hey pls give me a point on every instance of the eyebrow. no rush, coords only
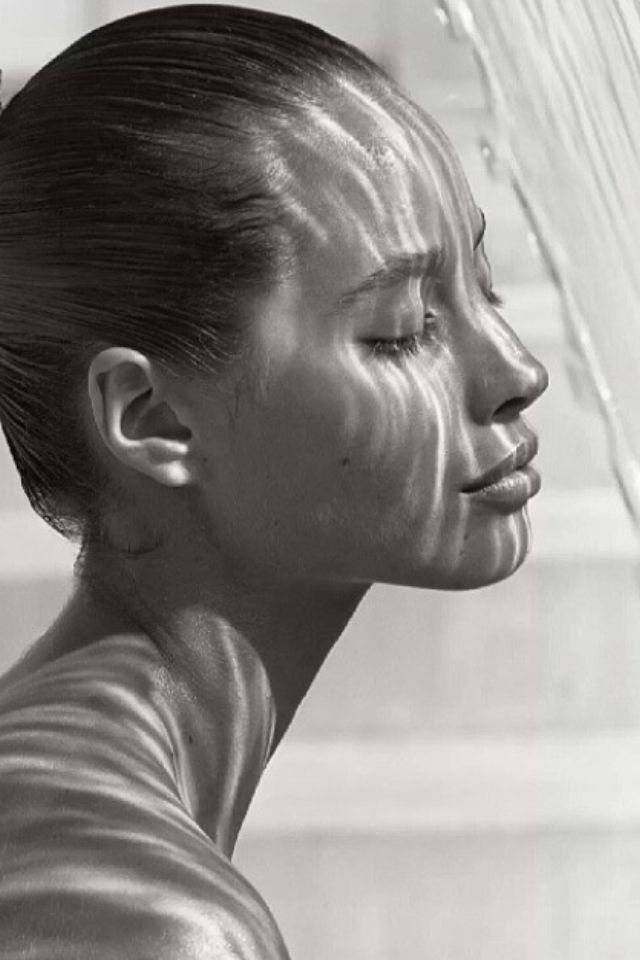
(395, 269)
(399, 267)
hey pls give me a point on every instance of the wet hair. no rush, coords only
(142, 204)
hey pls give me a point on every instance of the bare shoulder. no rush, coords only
(124, 891)
(99, 858)
(107, 904)
(225, 920)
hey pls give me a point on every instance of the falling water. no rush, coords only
(563, 85)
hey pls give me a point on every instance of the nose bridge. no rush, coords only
(504, 377)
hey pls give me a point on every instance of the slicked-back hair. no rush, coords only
(141, 205)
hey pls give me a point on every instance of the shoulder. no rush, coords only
(126, 915)
(99, 858)
(124, 891)
(219, 921)
(223, 918)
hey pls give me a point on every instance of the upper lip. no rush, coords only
(515, 460)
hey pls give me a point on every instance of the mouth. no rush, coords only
(512, 481)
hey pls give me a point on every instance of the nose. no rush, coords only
(505, 378)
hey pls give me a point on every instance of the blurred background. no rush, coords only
(463, 780)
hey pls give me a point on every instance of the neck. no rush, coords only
(236, 660)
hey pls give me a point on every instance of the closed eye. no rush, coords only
(397, 348)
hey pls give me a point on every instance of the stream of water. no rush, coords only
(563, 87)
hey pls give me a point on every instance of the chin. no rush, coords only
(488, 563)
(486, 557)
(481, 577)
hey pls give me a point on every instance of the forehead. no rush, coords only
(377, 178)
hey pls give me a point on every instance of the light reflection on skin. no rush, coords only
(421, 426)
(135, 733)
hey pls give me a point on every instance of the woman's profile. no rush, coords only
(251, 360)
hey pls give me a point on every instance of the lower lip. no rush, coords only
(512, 492)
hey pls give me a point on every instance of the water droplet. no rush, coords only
(534, 242)
(488, 154)
(442, 14)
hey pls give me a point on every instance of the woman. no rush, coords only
(251, 360)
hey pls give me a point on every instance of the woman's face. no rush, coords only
(381, 383)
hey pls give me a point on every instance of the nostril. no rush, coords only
(504, 383)
(532, 384)
(511, 409)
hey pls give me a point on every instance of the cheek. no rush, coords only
(410, 426)
(410, 463)
(343, 469)
(386, 438)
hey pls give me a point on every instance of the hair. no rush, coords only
(141, 203)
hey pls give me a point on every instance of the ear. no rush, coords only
(135, 418)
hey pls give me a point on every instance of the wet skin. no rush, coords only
(338, 453)
(348, 454)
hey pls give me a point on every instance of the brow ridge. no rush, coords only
(393, 270)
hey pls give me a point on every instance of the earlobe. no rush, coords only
(135, 419)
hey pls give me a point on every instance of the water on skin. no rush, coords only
(94, 816)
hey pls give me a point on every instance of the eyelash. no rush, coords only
(406, 346)
(411, 345)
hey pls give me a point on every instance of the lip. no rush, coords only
(512, 480)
